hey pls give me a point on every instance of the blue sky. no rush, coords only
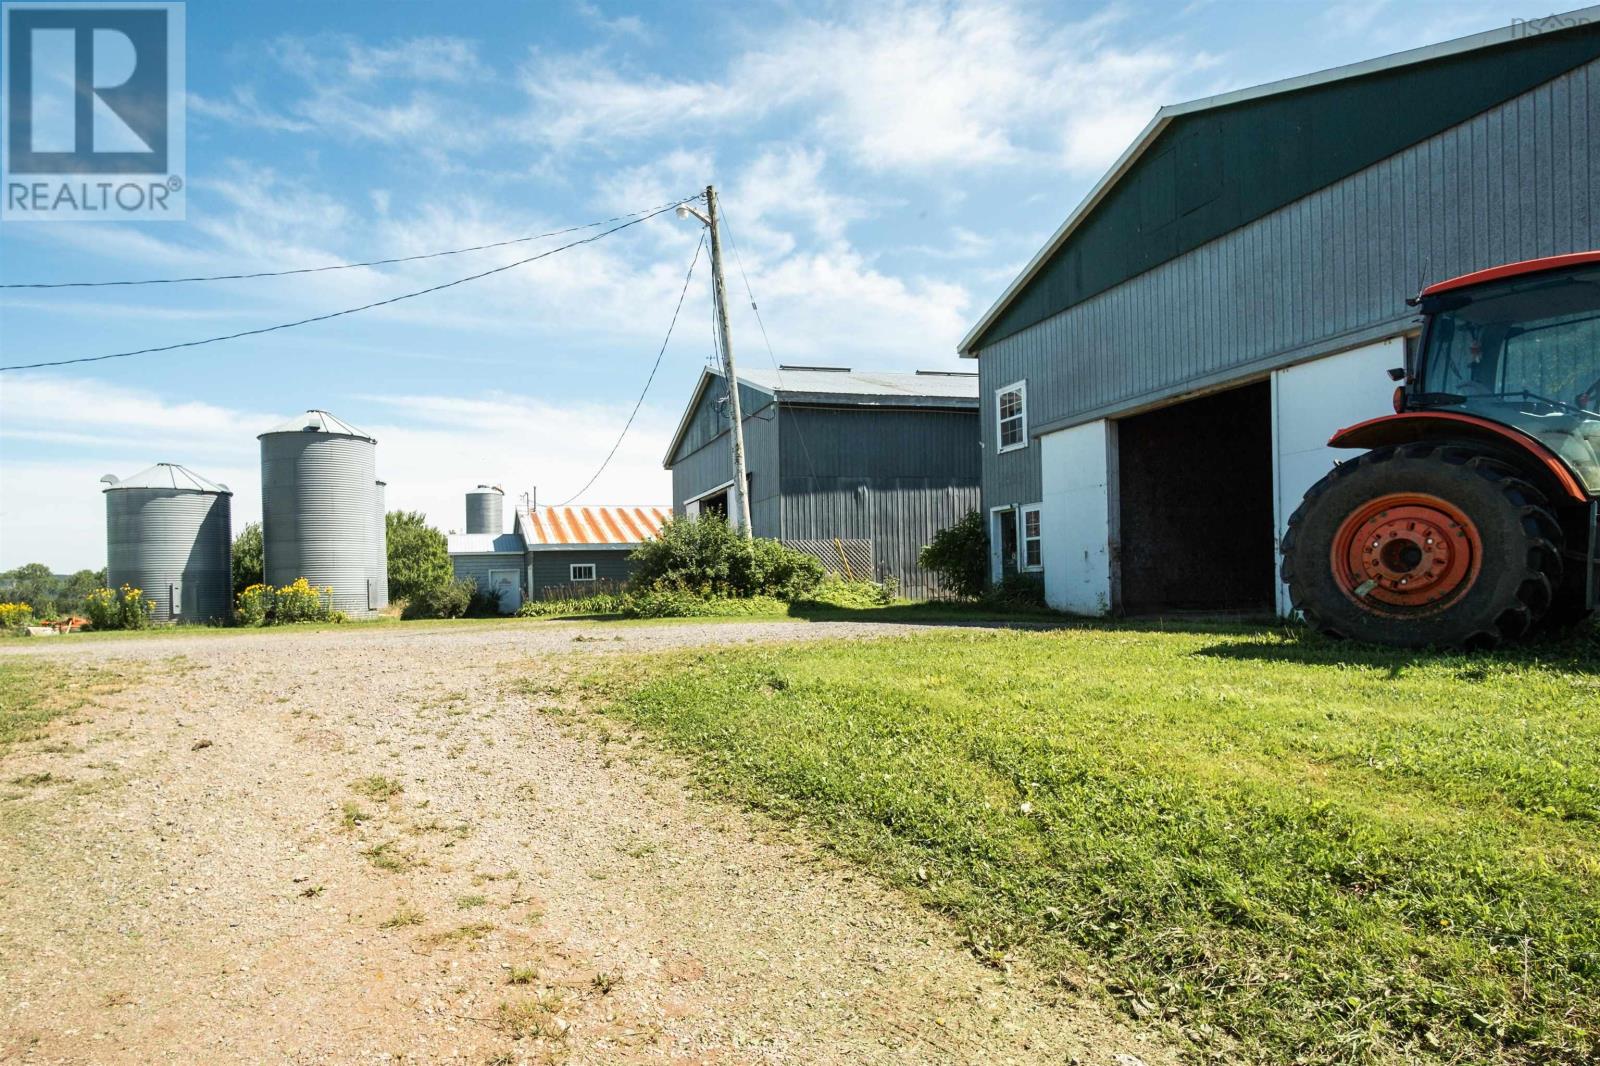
(886, 169)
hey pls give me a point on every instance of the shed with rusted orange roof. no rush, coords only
(557, 551)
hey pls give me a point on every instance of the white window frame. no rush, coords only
(572, 573)
(1021, 389)
(1023, 538)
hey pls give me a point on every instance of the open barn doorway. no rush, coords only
(1195, 505)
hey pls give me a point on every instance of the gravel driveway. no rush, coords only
(198, 880)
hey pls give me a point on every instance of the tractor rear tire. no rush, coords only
(1571, 608)
(1423, 545)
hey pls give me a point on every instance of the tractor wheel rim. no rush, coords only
(1406, 553)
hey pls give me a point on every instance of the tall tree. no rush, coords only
(33, 584)
(73, 593)
(248, 561)
(419, 557)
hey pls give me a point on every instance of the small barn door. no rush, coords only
(507, 588)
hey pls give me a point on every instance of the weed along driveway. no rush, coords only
(413, 842)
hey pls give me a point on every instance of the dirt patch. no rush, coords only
(387, 848)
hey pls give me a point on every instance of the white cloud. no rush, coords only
(619, 26)
(241, 108)
(789, 184)
(410, 93)
(342, 58)
(835, 307)
(905, 87)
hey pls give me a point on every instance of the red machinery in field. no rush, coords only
(1471, 519)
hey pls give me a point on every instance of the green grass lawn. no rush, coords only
(33, 691)
(1287, 849)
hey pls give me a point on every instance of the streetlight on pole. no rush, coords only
(741, 484)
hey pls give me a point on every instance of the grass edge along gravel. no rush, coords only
(34, 692)
(1287, 850)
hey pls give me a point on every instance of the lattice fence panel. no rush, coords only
(847, 558)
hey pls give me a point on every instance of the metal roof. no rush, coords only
(1164, 117)
(842, 386)
(596, 526)
(863, 386)
(1511, 270)
(484, 543)
(314, 421)
(166, 476)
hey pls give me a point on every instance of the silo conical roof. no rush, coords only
(318, 422)
(168, 476)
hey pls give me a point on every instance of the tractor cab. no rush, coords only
(1524, 351)
(1473, 515)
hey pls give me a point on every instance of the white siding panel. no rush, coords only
(1310, 402)
(1076, 518)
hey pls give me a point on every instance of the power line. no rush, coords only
(777, 369)
(346, 266)
(338, 314)
(648, 381)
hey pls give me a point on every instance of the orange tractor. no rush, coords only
(1471, 518)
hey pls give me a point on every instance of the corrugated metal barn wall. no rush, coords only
(477, 567)
(554, 568)
(710, 418)
(1519, 181)
(700, 469)
(926, 467)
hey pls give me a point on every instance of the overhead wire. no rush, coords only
(347, 311)
(687, 277)
(348, 266)
(777, 368)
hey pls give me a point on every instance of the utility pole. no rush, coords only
(741, 485)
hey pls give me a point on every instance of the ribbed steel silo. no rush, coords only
(318, 489)
(380, 549)
(486, 510)
(169, 532)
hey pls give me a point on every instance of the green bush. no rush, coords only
(15, 616)
(301, 601)
(124, 608)
(483, 603)
(835, 591)
(449, 598)
(253, 606)
(600, 603)
(959, 556)
(776, 570)
(705, 556)
(1018, 591)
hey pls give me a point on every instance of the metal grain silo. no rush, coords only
(169, 532)
(380, 549)
(486, 510)
(318, 492)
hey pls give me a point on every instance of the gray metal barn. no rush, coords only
(870, 463)
(1159, 383)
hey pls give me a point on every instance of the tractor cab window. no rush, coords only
(1525, 352)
